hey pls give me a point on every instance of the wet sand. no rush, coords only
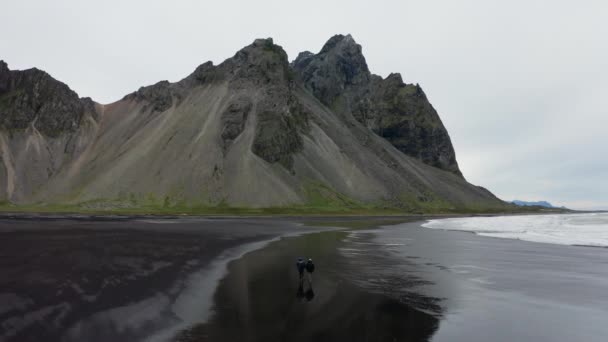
(259, 300)
(115, 279)
(409, 283)
(489, 289)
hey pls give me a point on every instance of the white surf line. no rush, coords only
(194, 304)
(561, 229)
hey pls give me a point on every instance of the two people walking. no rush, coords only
(309, 268)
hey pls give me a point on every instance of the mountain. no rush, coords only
(339, 78)
(253, 131)
(533, 204)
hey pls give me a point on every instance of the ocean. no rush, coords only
(577, 229)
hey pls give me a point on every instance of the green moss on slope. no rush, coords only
(122, 208)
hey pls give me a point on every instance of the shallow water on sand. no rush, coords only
(259, 300)
(490, 289)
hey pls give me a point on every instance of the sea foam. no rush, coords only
(571, 229)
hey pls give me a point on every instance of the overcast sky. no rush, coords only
(522, 86)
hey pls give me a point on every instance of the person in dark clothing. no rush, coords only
(310, 267)
(301, 266)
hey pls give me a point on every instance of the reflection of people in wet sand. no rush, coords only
(309, 267)
(310, 294)
(300, 294)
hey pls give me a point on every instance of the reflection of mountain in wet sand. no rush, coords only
(257, 301)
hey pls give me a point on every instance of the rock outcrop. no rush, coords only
(253, 131)
(339, 77)
(33, 97)
(44, 125)
(264, 66)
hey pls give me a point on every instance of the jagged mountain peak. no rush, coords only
(346, 56)
(341, 42)
(33, 98)
(303, 58)
(339, 77)
(3, 66)
(394, 77)
(260, 49)
(260, 61)
(338, 65)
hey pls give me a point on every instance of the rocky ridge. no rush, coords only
(253, 131)
(33, 97)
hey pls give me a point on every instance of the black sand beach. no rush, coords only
(132, 279)
(111, 279)
(259, 301)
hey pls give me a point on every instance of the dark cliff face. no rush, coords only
(339, 69)
(338, 76)
(33, 97)
(261, 70)
(280, 118)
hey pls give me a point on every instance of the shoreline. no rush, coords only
(486, 281)
(204, 279)
(108, 216)
(554, 229)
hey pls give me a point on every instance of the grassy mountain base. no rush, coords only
(321, 200)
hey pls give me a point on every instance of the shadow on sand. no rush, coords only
(261, 300)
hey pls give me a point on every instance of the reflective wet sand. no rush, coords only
(259, 300)
(115, 279)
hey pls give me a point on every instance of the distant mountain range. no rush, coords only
(534, 204)
(253, 131)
